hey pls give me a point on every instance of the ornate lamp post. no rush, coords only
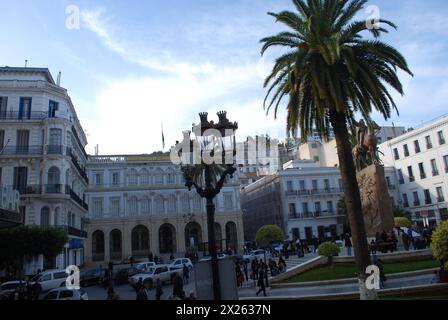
(209, 161)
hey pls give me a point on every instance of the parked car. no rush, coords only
(178, 263)
(66, 294)
(50, 279)
(8, 288)
(143, 266)
(164, 272)
(92, 277)
(209, 258)
(121, 276)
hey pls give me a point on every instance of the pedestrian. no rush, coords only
(411, 239)
(238, 274)
(150, 257)
(186, 273)
(110, 266)
(178, 286)
(315, 243)
(37, 289)
(261, 284)
(436, 277)
(348, 244)
(245, 270)
(131, 260)
(171, 256)
(156, 259)
(141, 294)
(159, 290)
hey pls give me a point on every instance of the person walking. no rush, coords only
(261, 284)
(141, 294)
(159, 290)
(37, 289)
(186, 274)
(156, 259)
(245, 270)
(315, 243)
(150, 257)
(348, 244)
(178, 286)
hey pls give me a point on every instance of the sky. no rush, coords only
(131, 66)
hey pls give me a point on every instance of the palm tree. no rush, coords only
(331, 73)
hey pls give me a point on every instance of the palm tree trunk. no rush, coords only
(353, 199)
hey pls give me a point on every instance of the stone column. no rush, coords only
(180, 236)
(154, 235)
(106, 245)
(126, 241)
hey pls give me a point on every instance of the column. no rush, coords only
(154, 235)
(126, 241)
(180, 236)
(106, 246)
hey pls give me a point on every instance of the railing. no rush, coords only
(435, 173)
(401, 181)
(291, 193)
(326, 190)
(21, 150)
(72, 231)
(17, 115)
(406, 204)
(75, 134)
(440, 199)
(423, 176)
(30, 189)
(77, 199)
(75, 162)
(428, 201)
(55, 188)
(429, 146)
(416, 203)
(442, 141)
(54, 149)
(411, 179)
(11, 216)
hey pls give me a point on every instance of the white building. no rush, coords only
(42, 156)
(139, 204)
(420, 158)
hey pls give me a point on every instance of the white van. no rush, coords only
(51, 279)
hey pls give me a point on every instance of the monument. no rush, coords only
(375, 199)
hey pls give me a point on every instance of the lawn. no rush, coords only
(348, 270)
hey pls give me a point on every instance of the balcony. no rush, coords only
(29, 189)
(16, 115)
(326, 191)
(422, 176)
(391, 187)
(401, 181)
(54, 149)
(411, 179)
(71, 231)
(435, 173)
(406, 204)
(428, 201)
(22, 150)
(304, 192)
(291, 193)
(78, 167)
(429, 146)
(416, 203)
(77, 199)
(442, 141)
(440, 199)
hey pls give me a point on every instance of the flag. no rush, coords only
(163, 139)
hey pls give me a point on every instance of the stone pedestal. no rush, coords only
(376, 206)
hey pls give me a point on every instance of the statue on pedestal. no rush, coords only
(365, 151)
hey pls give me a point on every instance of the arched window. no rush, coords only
(133, 206)
(144, 177)
(53, 180)
(45, 217)
(115, 245)
(158, 176)
(98, 246)
(146, 205)
(132, 177)
(140, 241)
(167, 239)
(159, 204)
(231, 236)
(172, 204)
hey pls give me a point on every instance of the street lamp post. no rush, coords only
(208, 172)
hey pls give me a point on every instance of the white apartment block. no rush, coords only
(42, 156)
(139, 204)
(420, 159)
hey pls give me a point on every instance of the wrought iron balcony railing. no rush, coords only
(21, 150)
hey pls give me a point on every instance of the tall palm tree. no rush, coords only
(331, 72)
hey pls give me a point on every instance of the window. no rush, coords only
(172, 204)
(25, 108)
(144, 177)
(3, 107)
(60, 275)
(341, 185)
(115, 207)
(52, 108)
(302, 185)
(428, 142)
(171, 178)
(160, 205)
(228, 201)
(427, 196)
(2, 139)
(315, 185)
(115, 178)
(440, 196)
(146, 206)
(406, 150)
(396, 154)
(65, 294)
(45, 217)
(20, 179)
(133, 206)
(400, 177)
(316, 158)
(441, 137)
(416, 198)
(317, 207)
(405, 200)
(55, 144)
(330, 207)
(289, 186)
(305, 207)
(197, 203)
(421, 168)
(416, 146)
(435, 171)
(23, 138)
(445, 162)
(292, 209)
(132, 178)
(98, 178)
(327, 184)
(411, 174)
(158, 177)
(97, 207)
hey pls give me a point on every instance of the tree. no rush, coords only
(331, 73)
(403, 222)
(18, 242)
(329, 250)
(342, 210)
(439, 243)
(399, 212)
(269, 234)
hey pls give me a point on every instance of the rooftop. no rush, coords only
(45, 71)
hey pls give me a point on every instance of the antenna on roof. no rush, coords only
(58, 81)
(96, 150)
(26, 63)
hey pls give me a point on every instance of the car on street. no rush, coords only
(164, 272)
(50, 279)
(209, 258)
(178, 263)
(143, 266)
(66, 294)
(8, 288)
(92, 277)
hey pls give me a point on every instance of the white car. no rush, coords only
(259, 254)
(162, 271)
(50, 279)
(66, 294)
(178, 263)
(143, 266)
(7, 288)
(209, 258)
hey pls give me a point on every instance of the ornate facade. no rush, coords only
(139, 204)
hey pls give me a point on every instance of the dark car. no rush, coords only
(92, 277)
(120, 276)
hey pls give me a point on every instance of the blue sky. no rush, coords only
(135, 64)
